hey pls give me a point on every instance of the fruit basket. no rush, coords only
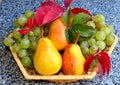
(30, 74)
(76, 25)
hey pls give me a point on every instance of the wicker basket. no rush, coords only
(30, 74)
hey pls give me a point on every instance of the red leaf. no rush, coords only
(24, 31)
(48, 12)
(50, 3)
(80, 10)
(67, 3)
(88, 62)
(101, 66)
(40, 13)
(106, 59)
(31, 23)
(104, 63)
(53, 14)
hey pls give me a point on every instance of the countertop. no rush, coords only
(11, 9)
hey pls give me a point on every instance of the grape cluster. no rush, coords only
(24, 45)
(103, 37)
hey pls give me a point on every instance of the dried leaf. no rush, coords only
(67, 3)
(88, 62)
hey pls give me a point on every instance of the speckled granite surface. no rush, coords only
(10, 9)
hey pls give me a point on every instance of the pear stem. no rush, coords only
(41, 31)
(76, 40)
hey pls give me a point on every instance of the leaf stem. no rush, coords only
(76, 40)
(41, 31)
(69, 17)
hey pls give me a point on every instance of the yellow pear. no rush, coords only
(73, 60)
(47, 59)
(57, 34)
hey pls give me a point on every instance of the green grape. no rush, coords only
(106, 30)
(100, 24)
(22, 53)
(101, 45)
(29, 14)
(25, 36)
(16, 23)
(100, 35)
(91, 23)
(84, 44)
(8, 41)
(26, 61)
(16, 29)
(25, 43)
(16, 34)
(86, 51)
(109, 39)
(18, 40)
(37, 31)
(93, 49)
(99, 17)
(31, 34)
(16, 47)
(91, 41)
(22, 20)
(33, 45)
(111, 28)
(32, 38)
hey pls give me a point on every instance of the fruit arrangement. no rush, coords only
(51, 40)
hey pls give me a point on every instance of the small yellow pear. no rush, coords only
(47, 59)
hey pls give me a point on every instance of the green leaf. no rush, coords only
(85, 30)
(65, 17)
(67, 34)
(80, 18)
(83, 39)
(73, 35)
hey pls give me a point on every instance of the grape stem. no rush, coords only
(76, 40)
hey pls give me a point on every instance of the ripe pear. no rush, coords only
(73, 60)
(57, 34)
(47, 60)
